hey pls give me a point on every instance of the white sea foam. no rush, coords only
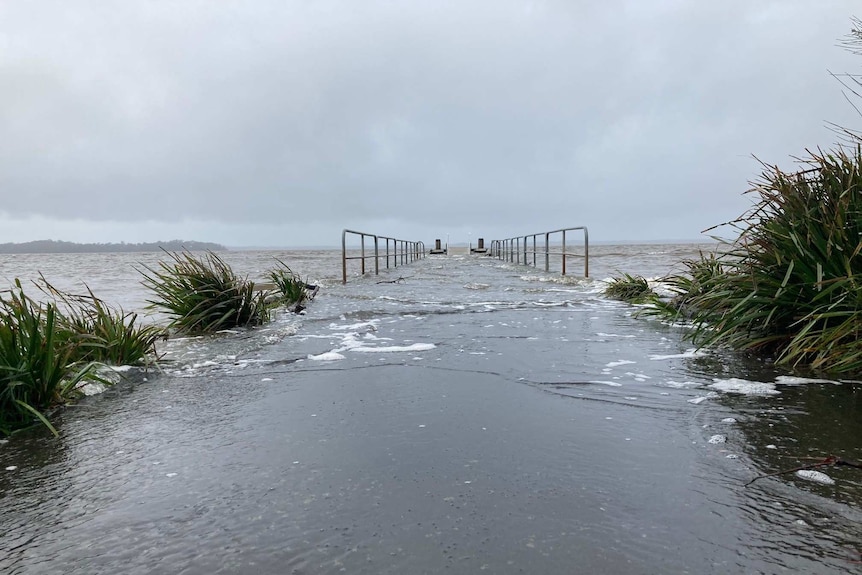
(611, 383)
(816, 476)
(327, 356)
(92, 388)
(374, 337)
(393, 348)
(791, 380)
(370, 325)
(687, 353)
(744, 387)
(702, 398)
(120, 368)
(716, 439)
(679, 384)
(619, 363)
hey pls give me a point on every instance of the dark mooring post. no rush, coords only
(480, 248)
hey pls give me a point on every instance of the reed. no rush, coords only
(96, 331)
(291, 289)
(36, 370)
(789, 285)
(702, 276)
(204, 295)
(632, 289)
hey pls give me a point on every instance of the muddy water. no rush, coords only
(473, 416)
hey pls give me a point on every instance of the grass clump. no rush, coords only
(790, 285)
(632, 289)
(98, 332)
(204, 295)
(36, 367)
(291, 289)
(701, 277)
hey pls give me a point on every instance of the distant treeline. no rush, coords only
(60, 247)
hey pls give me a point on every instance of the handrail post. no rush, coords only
(564, 252)
(376, 257)
(534, 250)
(344, 256)
(362, 264)
(586, 253)
(548, 252)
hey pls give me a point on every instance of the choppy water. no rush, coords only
(476, 415)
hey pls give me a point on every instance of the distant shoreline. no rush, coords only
(61, 247)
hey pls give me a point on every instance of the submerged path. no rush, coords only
(447, 423)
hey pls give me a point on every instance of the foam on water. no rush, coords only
(744, 386)
(394, 348)
(326, 356)
(791, 380)
(816, 476)
(702, 398)
(686, 354)
(679, 384)
(619, 363)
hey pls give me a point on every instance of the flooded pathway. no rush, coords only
(469, 418)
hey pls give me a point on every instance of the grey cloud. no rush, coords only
(636, 117)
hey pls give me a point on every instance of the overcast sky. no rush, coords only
(278, 123)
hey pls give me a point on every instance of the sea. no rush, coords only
(459, 413)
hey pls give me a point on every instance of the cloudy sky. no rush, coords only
(278, 123)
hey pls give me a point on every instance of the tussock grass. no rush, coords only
(204, 295)
(702, 276)
(96, 331)
(633, 289)
(290, 287)
(48, 349)
(789, 285)
(36, 370)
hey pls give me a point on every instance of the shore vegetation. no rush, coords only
(203, 294)
(790, 285)
(289, 286)
(632, 289)
(50, 348)
(37, 370)
(96, 331)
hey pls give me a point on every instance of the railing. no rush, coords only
(512, 249)
(410, 251)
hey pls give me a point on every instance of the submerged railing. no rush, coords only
(512, 249)
(409, 252)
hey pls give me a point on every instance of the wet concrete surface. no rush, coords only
(523, 438)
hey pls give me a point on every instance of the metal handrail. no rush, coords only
(511, 249)
(410, 252)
